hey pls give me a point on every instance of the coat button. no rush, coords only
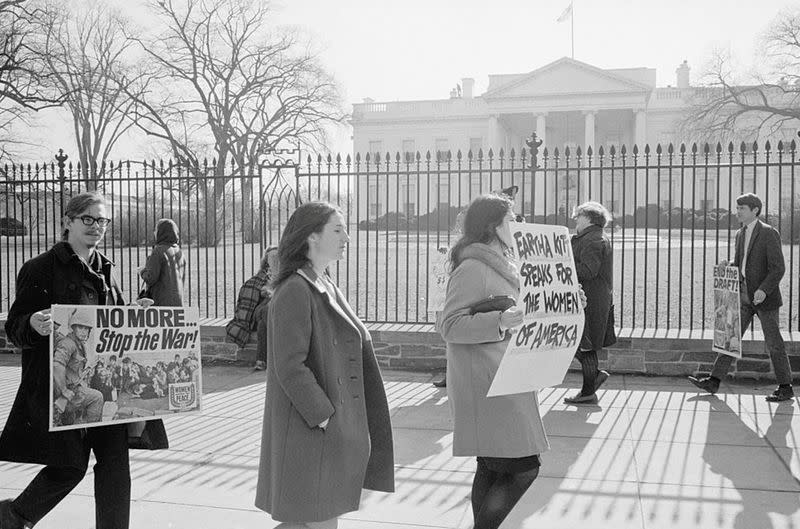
(341, 400)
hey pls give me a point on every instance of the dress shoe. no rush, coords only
(9, 519)
(580, 398)
(781, 394)
(602, 376)
(441, 383)
(708, 384)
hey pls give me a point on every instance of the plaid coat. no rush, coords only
(244, 321)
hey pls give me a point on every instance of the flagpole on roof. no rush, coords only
(572, 27)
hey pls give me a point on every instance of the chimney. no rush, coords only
(467, 84)
(682, 74)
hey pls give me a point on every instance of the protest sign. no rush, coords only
(118, 364)
(542, 349)
(440, 272)
(727, 314)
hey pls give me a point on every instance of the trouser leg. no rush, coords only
(48, 488)
(112, 476)
(774, 345)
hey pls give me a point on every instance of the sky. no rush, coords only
(420, 49)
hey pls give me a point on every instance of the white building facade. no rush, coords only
(567, 103)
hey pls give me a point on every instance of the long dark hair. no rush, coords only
(308, 218)
(484, 214)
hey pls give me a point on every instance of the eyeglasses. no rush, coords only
(88, 220)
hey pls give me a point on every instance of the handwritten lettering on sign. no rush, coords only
(541, 350)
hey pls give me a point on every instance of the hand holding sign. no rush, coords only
(511, 318)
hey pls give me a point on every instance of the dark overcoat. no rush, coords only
(320, 365)
(594, 265)
(165, 269)
(57, 276)
(765, 263)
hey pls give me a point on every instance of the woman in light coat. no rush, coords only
(326, 433)
(505, 432)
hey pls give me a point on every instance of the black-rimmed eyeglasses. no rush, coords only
(88, 220)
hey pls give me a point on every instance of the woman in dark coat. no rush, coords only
(326, 434)
(594, 263)
(165, 270)
(71, 272)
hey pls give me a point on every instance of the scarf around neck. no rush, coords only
(489, 256)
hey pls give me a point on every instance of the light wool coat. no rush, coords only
(503, 426)
(320, 365)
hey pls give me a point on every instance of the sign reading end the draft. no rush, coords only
(727, 313)
(541, 350)
(118, 364)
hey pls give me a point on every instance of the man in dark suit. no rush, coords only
(760, 259)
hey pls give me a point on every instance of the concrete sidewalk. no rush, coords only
(653, 454)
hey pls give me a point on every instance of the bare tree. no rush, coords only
(734, 107)
(88, 61)
(23, 86)
(223, 74)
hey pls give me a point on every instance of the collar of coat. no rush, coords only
(592, 228)
(65, 253)
(339, 305)
(494, 260)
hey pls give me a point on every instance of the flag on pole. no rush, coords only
(567, 13)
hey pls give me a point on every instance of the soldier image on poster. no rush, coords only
(74, 401)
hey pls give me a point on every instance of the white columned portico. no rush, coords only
(588, 135)
(640, 128)
(495, 136)
(541, 127)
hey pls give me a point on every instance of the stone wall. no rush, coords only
(670, 353)
(419, 347)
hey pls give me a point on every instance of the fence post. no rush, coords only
(533, 144)
(62, 178)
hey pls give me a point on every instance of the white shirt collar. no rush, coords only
(752, 224)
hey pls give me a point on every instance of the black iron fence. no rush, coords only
(674, 210)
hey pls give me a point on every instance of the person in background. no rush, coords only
(505, 433)
(164, 272)
(252, 292)
(594, 266)
(72, 272)
(325, 397)
(759, 257)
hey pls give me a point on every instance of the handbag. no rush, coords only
(492, 304)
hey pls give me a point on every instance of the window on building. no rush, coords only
(375, 209)
(409, 150)
(442, 146)
(443, 196)
(665, 138)
(475, 145)
(408, 197)
(375, 148)
(613, 138)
